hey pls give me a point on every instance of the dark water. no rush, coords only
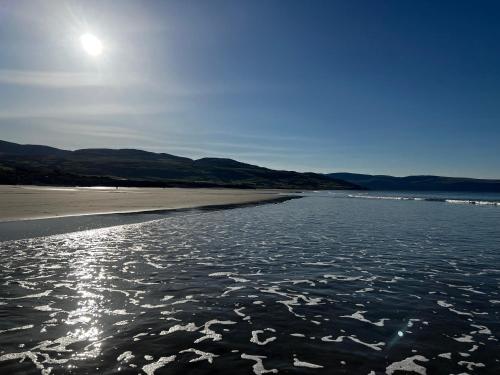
(327, 284)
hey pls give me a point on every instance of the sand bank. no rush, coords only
(37, 202)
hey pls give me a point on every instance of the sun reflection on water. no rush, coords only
(89, 275)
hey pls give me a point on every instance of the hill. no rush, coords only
(36, 164)
(419, 183)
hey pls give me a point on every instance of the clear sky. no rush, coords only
(392, 87)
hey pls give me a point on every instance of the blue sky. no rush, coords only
(389, 87)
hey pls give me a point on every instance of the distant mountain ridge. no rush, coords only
(37, 164)
(419, 183)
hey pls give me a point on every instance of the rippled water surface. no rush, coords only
(325, 284)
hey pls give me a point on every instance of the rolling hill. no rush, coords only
(419, 183)
(36, 164)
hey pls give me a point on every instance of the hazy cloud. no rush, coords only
(83, 111)
(49, 79)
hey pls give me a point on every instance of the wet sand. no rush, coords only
(37, 202)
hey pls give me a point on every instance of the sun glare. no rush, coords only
(91, 44)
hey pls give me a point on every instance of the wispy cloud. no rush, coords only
(56, 80)
(106, 133)
(83, 111)
(170, 87)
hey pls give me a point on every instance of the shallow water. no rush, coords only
(324, 284)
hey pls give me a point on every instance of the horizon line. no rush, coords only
(228, 158)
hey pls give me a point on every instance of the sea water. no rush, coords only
(332, 283)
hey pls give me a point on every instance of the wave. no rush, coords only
(467, 201)
(444, 200)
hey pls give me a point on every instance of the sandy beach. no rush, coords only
(36, 202)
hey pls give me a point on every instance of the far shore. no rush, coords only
(39, 202)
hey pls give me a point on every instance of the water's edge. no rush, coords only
(32, 228)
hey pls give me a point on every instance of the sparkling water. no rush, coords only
(333, 283)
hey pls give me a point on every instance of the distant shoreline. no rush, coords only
(43, 202)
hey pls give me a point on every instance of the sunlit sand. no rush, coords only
(33, 202)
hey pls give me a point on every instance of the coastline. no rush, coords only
(74, 219)
(19, 203)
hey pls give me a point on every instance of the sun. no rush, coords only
(91, 44)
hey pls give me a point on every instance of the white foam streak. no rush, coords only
(408, 365)
(255, 336)
(258, 367)
(152, 367)
(299, 363)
